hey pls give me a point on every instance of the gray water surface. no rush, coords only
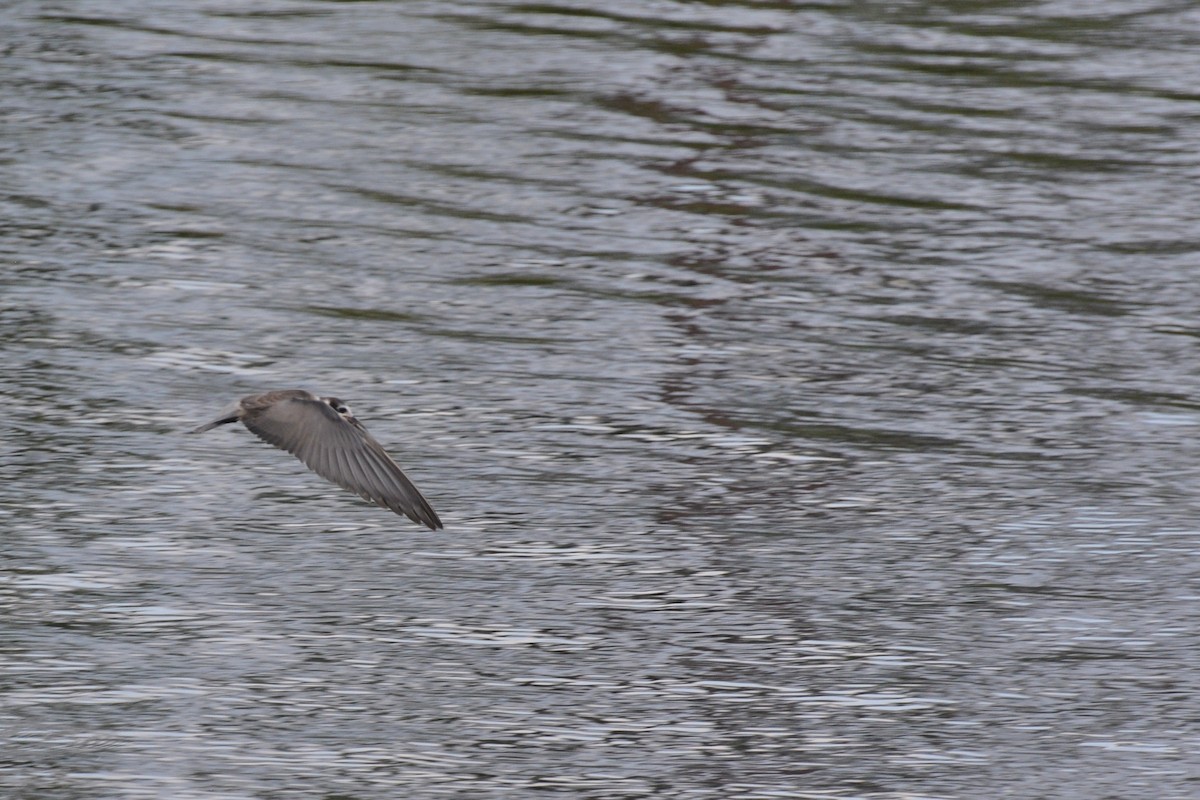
(809, 392)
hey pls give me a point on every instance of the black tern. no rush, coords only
(321, 432)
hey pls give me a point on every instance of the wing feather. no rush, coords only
(368, 476)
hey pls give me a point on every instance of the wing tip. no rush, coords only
(422, 515)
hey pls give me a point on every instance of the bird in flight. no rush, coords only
(321, 432)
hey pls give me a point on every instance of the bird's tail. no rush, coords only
(230, 413)
(209, 426)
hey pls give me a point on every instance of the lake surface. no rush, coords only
(809, 391)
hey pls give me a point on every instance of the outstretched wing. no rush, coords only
(342, 452)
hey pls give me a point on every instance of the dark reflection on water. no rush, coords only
(806, 391)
